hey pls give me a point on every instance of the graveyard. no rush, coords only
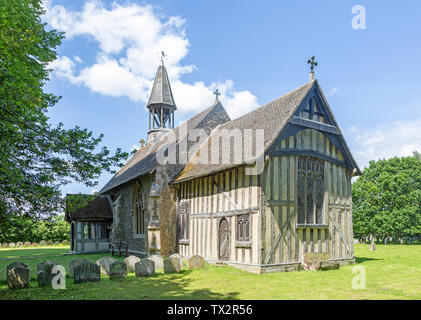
(391, 273)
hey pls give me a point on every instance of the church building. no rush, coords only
(256, 192)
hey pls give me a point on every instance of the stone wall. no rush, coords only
(124, 228)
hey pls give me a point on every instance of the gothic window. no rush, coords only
(313, 111)
(139, 212)
(243, 227)
(89, 230)
(184, 220)
(310, 179)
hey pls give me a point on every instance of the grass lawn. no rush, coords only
(392, 272)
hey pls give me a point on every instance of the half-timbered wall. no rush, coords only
(284, 237)
(225, 195)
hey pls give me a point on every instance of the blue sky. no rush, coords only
(252, 51)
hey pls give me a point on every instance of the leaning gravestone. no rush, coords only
(144, 268)
(45, 273)
(17, 275)
(159, 262)
(73, 264)
(130, 261)
(195, 262)
(104, 263)
(87, 272)
(172, 263)
(118, 270)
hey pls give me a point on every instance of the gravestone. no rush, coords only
(87, 271)
(144, 268)
(43, 243)
(195, 262)
(50, 243)
(118, 270)
(16, 264)
(104, 263)
(12, 245)
(159, 262)
(172, 263)
(45, 273)
(27, 244)
(5, 245)
(329, 265)
(73, 264)
(34, 244)
(312, 260)
(19, 244)
(56, 243)
(130, 262)
(17, 275)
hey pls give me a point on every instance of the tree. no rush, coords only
(387, 198)
(37, 158)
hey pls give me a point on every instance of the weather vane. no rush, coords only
(313, 63)
(217, 94)
(162, 56)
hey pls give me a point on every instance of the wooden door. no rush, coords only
(224, 240)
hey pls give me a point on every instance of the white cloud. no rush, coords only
(333, 91)
(400, 138)
(129, 38)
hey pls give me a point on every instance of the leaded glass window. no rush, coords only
(310, 179)
(184, 220)
(243, 227)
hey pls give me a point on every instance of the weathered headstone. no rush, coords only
(16, 264)
(312, 260)
(12, 245)
(45, 273)
(104, 263)
(118, 270)
(5, 245)
(43, 243)
(19, 244)
(18, 275)
(159, 262)
(130, 261)
(372, 246)
(145, 267)
(87, 272)
(73, 264)
(34, 244)
(27, 244)
(56, 243)
(65, 242)
(172, 263)
(195, 262)
(50, 243)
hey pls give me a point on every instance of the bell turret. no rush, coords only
(161, 105)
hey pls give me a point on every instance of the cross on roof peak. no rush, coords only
(312, 62)
(217, 94)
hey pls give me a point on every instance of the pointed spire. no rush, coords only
(161, 91)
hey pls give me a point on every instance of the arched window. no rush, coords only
(139, 221)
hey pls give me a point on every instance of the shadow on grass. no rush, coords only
(184, 285)
(364, 259)
(31, 253)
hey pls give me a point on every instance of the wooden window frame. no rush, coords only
(310, 173)
(184, 221)
(243, 229)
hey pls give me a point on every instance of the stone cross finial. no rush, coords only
(142, 143)
(217, 94)
(313, 63)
